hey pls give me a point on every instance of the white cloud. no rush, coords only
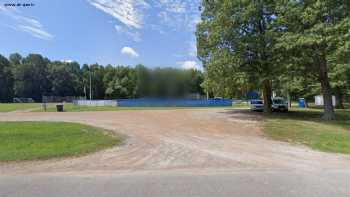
(36, 32)
(118, 28)
(129, 51)
(180, 14)
(177, 14)
(157, 28)
(26, 24)
(133, 17)
(195, 19)
(134, 35)
(193, 49)
(164, 16)
(128, 12)
(176, 6)
(189, 65)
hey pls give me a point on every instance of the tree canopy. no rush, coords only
(6, 80)
(35, 76)
(284, 46)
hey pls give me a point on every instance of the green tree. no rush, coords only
(6, 80)
(193, 80)
(31, 77)
(15, 59)
(98, 88)
(315, 34)
(35, 76)
(123, 83)
(142, 83)
(109, 75)
(85, 70)
(339, 76)
(235, 43)
(65, 79)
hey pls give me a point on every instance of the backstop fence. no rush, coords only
(95, 102)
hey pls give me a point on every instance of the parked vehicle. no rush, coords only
(256, 105)
(279, 104)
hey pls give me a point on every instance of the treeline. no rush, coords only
(35, 76)
(293, 48)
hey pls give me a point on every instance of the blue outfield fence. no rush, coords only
(174, 102)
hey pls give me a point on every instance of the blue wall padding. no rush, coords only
(174, 102)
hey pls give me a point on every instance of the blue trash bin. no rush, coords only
(302, 103)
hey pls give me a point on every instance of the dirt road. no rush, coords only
(184, 139)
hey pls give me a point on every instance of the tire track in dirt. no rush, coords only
(182, 139)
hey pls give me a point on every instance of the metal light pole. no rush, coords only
(90, 83)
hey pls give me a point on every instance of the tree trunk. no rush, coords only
(306, 103)
(289, 100)
(326, 91)
(267, 95)
(339, 98)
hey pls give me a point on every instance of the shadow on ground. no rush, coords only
(244, 114)
(310, 114)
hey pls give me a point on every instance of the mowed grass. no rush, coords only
(44, 140)
(241, 105)
(69, 107)
(304, 126)
(8, 107)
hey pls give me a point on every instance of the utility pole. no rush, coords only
(90, 83)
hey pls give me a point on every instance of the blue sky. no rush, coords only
(118, 32)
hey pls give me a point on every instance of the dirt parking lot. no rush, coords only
(182, 139)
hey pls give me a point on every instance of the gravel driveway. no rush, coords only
(209, 140)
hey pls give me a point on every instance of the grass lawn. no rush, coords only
(69, 107)
(304, 126)
(8, 107)
(44, 140)
(242, 105)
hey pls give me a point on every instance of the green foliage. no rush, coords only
(35, 76)
(31, 77)
(236, 45)
(301, 48)
(122, 84)
(143, 79)
(316, 38)
(15, 59)
(44, 140)
(65, 78)
(6, 80)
